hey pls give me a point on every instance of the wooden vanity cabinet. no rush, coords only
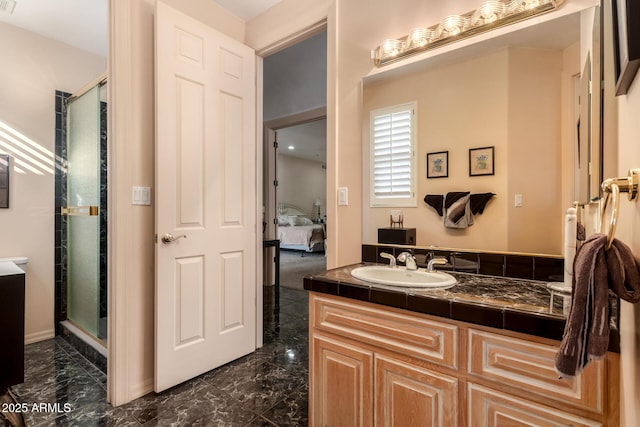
(376, 365)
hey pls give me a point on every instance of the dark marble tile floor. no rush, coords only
(266, 388)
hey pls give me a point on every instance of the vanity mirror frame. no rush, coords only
(467, 48)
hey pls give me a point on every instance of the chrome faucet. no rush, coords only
(409, 260)
(391, 258)
(431, 263)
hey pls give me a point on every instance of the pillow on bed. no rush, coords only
(283, 220)
(299, 220)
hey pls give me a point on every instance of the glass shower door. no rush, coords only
(83, 205)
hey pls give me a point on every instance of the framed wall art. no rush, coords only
(438, 164)
(481, 161)
(4, 180)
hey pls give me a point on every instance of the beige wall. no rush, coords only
(534, 152)
(33, 68)
(511, 100)
(300, 183)
(212, 14)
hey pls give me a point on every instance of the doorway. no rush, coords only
(294, 157)
(81, 220)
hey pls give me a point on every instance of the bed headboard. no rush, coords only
(288, 209)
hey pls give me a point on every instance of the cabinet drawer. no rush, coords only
(531, 367)
(403, 333)
(489, 408)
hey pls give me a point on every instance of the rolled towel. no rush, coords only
(435, 201)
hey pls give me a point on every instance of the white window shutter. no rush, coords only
(393, 156)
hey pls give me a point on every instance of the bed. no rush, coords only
(297, 232)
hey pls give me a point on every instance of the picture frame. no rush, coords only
(481, 161)
(438, 164)
(4, 181)
(626, 42)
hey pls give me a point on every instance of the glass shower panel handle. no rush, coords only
(80, 210)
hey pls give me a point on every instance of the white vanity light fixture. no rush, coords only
(490, 15)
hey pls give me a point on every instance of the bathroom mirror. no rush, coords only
(520, 93)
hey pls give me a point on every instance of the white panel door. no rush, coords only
(205, 199)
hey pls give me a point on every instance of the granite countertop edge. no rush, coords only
(524, 307)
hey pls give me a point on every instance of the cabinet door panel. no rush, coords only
(341, 384)
(489, 408)
(407, 395)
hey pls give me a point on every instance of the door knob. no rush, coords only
(168, 238)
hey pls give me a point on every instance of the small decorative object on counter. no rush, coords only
(396, 218)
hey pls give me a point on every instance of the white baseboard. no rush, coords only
(39, 336)
(143, 388)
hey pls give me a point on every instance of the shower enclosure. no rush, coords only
(81, 199)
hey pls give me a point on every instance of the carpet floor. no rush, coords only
(294, 265)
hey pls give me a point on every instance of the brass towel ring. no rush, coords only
(613, 187)
(612, 193)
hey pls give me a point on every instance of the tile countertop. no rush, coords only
(517, 305)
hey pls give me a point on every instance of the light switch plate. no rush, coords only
(141, 196)
(343, 196)
(518, 200)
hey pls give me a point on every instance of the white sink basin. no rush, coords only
(400, 276)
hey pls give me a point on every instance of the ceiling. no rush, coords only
(309, 141)
(83, 23)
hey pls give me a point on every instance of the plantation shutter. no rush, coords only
(392, 160)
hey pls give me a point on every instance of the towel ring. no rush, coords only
(613, 187)
(612, 193)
